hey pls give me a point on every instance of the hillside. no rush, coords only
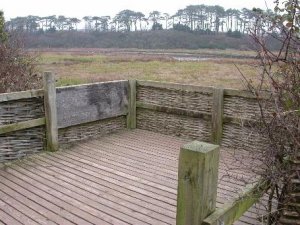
(164, 39)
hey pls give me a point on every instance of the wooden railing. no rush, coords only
(198, 162)
(26, 124)
(197, 189)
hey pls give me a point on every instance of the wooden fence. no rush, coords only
(219, 116)
(32, 121)
(22, 124)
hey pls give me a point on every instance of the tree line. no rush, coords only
(202, 18)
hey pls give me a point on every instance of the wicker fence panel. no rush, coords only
(189, 100)
(239, 107)
(175, 125)
(291, 213)
(18, 144)
(82, 132)
(21, 110)
(241, 136)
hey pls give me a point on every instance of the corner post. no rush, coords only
(217, 116)
(131, 116)
(50, 111)
(197, 182)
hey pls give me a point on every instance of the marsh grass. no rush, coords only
(75, 68)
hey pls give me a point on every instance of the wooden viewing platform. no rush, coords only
(129, 177)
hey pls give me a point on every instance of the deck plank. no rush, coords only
(128, 177)
(16, 214)
(8, 219)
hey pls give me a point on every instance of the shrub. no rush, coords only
(17, 67)
(234, 34)
(181, 27)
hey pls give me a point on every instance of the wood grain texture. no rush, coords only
(175, 86)
(21, 95)
(131, 116)
(197, 182)
(217, 116)
(129, 177)
(232, 211)
(22, 125)
(50, 112)
(87, 103)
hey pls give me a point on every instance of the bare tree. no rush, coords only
(279, 120)
(17, 68)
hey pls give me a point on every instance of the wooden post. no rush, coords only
(217, 116)
(50, 111)
(131, 116)
(197, 182)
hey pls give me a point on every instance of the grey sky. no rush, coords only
(14, 8)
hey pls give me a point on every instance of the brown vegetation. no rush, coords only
(76, 66)
(17, 68)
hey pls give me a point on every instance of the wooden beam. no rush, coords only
(50, 111)
(232, 211)
(173, 110)
(217, 115)
(20, 95)
(245, 94)
(181, 87)
(22, 125)
(131, 116)
(197, 182)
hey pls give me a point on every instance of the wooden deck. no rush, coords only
(125, 178)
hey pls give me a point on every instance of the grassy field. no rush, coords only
(208, 68)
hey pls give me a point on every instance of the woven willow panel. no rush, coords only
(85, 131)
(242, 137)
(188, 100)
(21, 143)
(175, 125)
(21, 110)
(292, 207)
(240, 107)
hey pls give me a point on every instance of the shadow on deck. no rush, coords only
(129, 177)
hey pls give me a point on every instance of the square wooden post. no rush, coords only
(131, 116)
(197, 182)
(50, 111)
(217, 115)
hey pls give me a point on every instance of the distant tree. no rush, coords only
(52, 20)
(74, 22)
(3, 34)
(124, 19)
(155, 17)
(181, 27)
(104, 23)
(167, 18)
(219, 15)
(201, 18)
(88, 23)
(138, 16)
(191, 13)
(157, 26)
(61, 22)
(229, 15)
(97, 23)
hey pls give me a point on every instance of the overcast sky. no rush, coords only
(73, 8)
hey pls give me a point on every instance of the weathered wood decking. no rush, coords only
(124, 178)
